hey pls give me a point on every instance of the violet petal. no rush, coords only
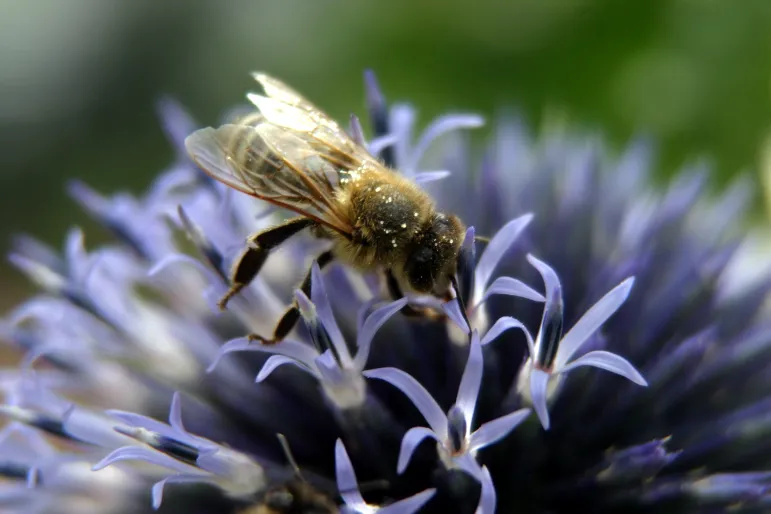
(609, 362)
(539, 381)
(410, 442)
(492, 431)
(417, 394)
(591, 321)
(495, 250)
(370, 327)
(503, 324)
(471, 381)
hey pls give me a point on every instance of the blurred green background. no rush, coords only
(79, 78)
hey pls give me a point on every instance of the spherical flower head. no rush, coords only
(598, 353)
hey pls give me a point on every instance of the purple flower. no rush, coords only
(650, 284)
(457, 444)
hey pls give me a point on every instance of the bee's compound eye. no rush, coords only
(279, 499)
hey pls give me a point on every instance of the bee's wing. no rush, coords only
(284, 107)
(275, 164)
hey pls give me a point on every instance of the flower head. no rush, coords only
(646, 281)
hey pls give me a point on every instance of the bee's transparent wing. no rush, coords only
(274, 164)
(284, 107)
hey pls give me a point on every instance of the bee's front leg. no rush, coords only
(292, 315)
(254, 255)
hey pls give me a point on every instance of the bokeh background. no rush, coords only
(79, 79)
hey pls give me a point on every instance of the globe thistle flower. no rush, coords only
(135, 393)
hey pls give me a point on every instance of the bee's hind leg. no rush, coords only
(254, 255)
(292, 315)
(408, 310)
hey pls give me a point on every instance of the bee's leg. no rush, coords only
(408, 310)
(292, 315)
(254, 255)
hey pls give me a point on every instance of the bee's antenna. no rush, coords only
(289, 457)
(461, 303)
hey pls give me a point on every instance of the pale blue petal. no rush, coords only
(356, 130)
(401, 119)
(408, 505)
(551, 281)
(279, 360)
(471, 381)
(609, 362)
(417, 394)
(179, 258)
(591, 321)
(424, 177)
(503, 324)
(370, 327)
(438, 127)
(379, 144)
(487, 498)
(492, 431)
(452, 309)
(512, 287)
(494, 252)
(539, 381)
(145, 455)
(347, 484)
(159, 486)
(303, 353)
(410, 442)
(324, 309)
(175, 413)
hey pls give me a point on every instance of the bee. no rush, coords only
(295, 496)
(294, 156)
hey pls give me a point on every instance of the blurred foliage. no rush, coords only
(80, 78)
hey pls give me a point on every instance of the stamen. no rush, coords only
(551, 331)
(456, 429)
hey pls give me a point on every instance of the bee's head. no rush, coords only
(432, 256)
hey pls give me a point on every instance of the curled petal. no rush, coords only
(487, 498)
(591, 321)
(550, 279)
(503, 324)
(356, 130)
(408, 505)
(425, 177)
(495, 250)
(324, 309)
(417, 394)
(380, 143)
(145, 455)
(410, 442)
(539, 381)
(346, 478)
(370, 327)
(511, 287)
(279, 360)
(471, 381)
(609, 362)
(495, 430)
(436, 128)
(452, 309)
(302, 353)
(175, 413)
(159, 486)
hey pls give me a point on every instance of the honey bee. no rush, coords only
(294, 156)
